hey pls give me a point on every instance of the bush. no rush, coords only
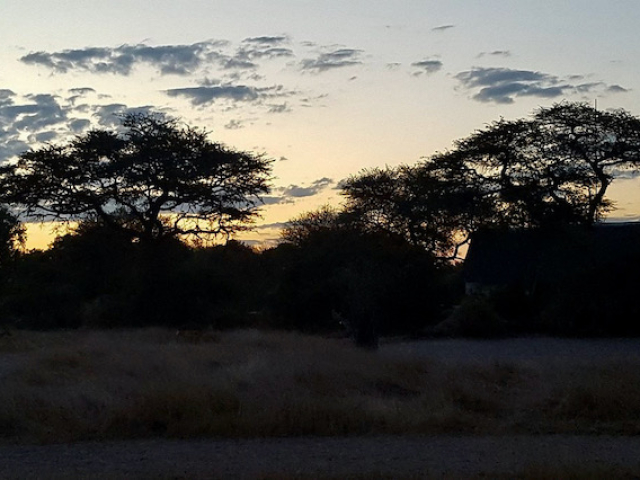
(373, 281)
(475, 317)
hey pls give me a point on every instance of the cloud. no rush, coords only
(427, 66)
(236, 93)
(504, 85)
(442, 28)
(12, 147)
(264, 47)
(110, 115)
(41, 111)
(81, 91)
(616, 89)
(79, 125)
(292, 192)
(168, 59)
(271, 226)
(266, 40)
(495, 53)
(179, 60)
(234, 125)
(25, 120)
(279, 108)
(6, 97)
(316, 187)
(338, 58)
(44, 137)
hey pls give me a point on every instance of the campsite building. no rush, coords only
(525, 259)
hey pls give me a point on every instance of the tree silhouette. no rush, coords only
(11, 235)
(553, 168)
(155, 179)
(418, 204)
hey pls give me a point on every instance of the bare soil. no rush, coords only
(377, 457)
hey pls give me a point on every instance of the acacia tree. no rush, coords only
(155, 179)
(553, 168)
(413, 202)
(592, 145)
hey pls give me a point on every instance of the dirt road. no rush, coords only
(453, 456)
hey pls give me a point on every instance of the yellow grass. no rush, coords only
(94, 385)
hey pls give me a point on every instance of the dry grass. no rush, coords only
(94, 385)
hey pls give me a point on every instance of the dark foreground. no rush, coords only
(543, 456)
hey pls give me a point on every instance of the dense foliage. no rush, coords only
(155, 179)
(379, 265)
(548, 170)
(11, 236)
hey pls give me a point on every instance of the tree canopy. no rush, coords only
(552, 168)
(153, 179)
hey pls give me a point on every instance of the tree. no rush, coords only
(325, 221)
(553, 168)
(418, 203)
(11, 235)
(592, 144)
(156, 179)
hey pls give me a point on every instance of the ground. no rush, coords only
(449, 455)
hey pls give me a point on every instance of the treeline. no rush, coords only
(331, 283)
(389, 261)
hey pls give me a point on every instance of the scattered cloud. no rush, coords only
(443, 28)
(81, 91)
(44, 137)
(335, 59)
(265, 47)
(6, 97)
(204, 95)
(495, 53)
(110, 115)
(290, 193)
(266, 40)
(236, 93)
(29, 120)
(279, 108)
(167, 59)
(12, 147)
(79, 125)
(234, 125)
(179, 60)
(297, 191)
(427, 67)
(40, 111)
(504, 85)
(271, 226)
(616, 89)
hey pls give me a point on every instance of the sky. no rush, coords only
(325, 88)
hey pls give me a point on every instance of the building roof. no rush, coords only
(524, 257)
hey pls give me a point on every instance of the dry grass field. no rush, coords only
(72, 386)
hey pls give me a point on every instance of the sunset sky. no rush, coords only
(326, 88)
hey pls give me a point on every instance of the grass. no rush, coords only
(97, 385)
